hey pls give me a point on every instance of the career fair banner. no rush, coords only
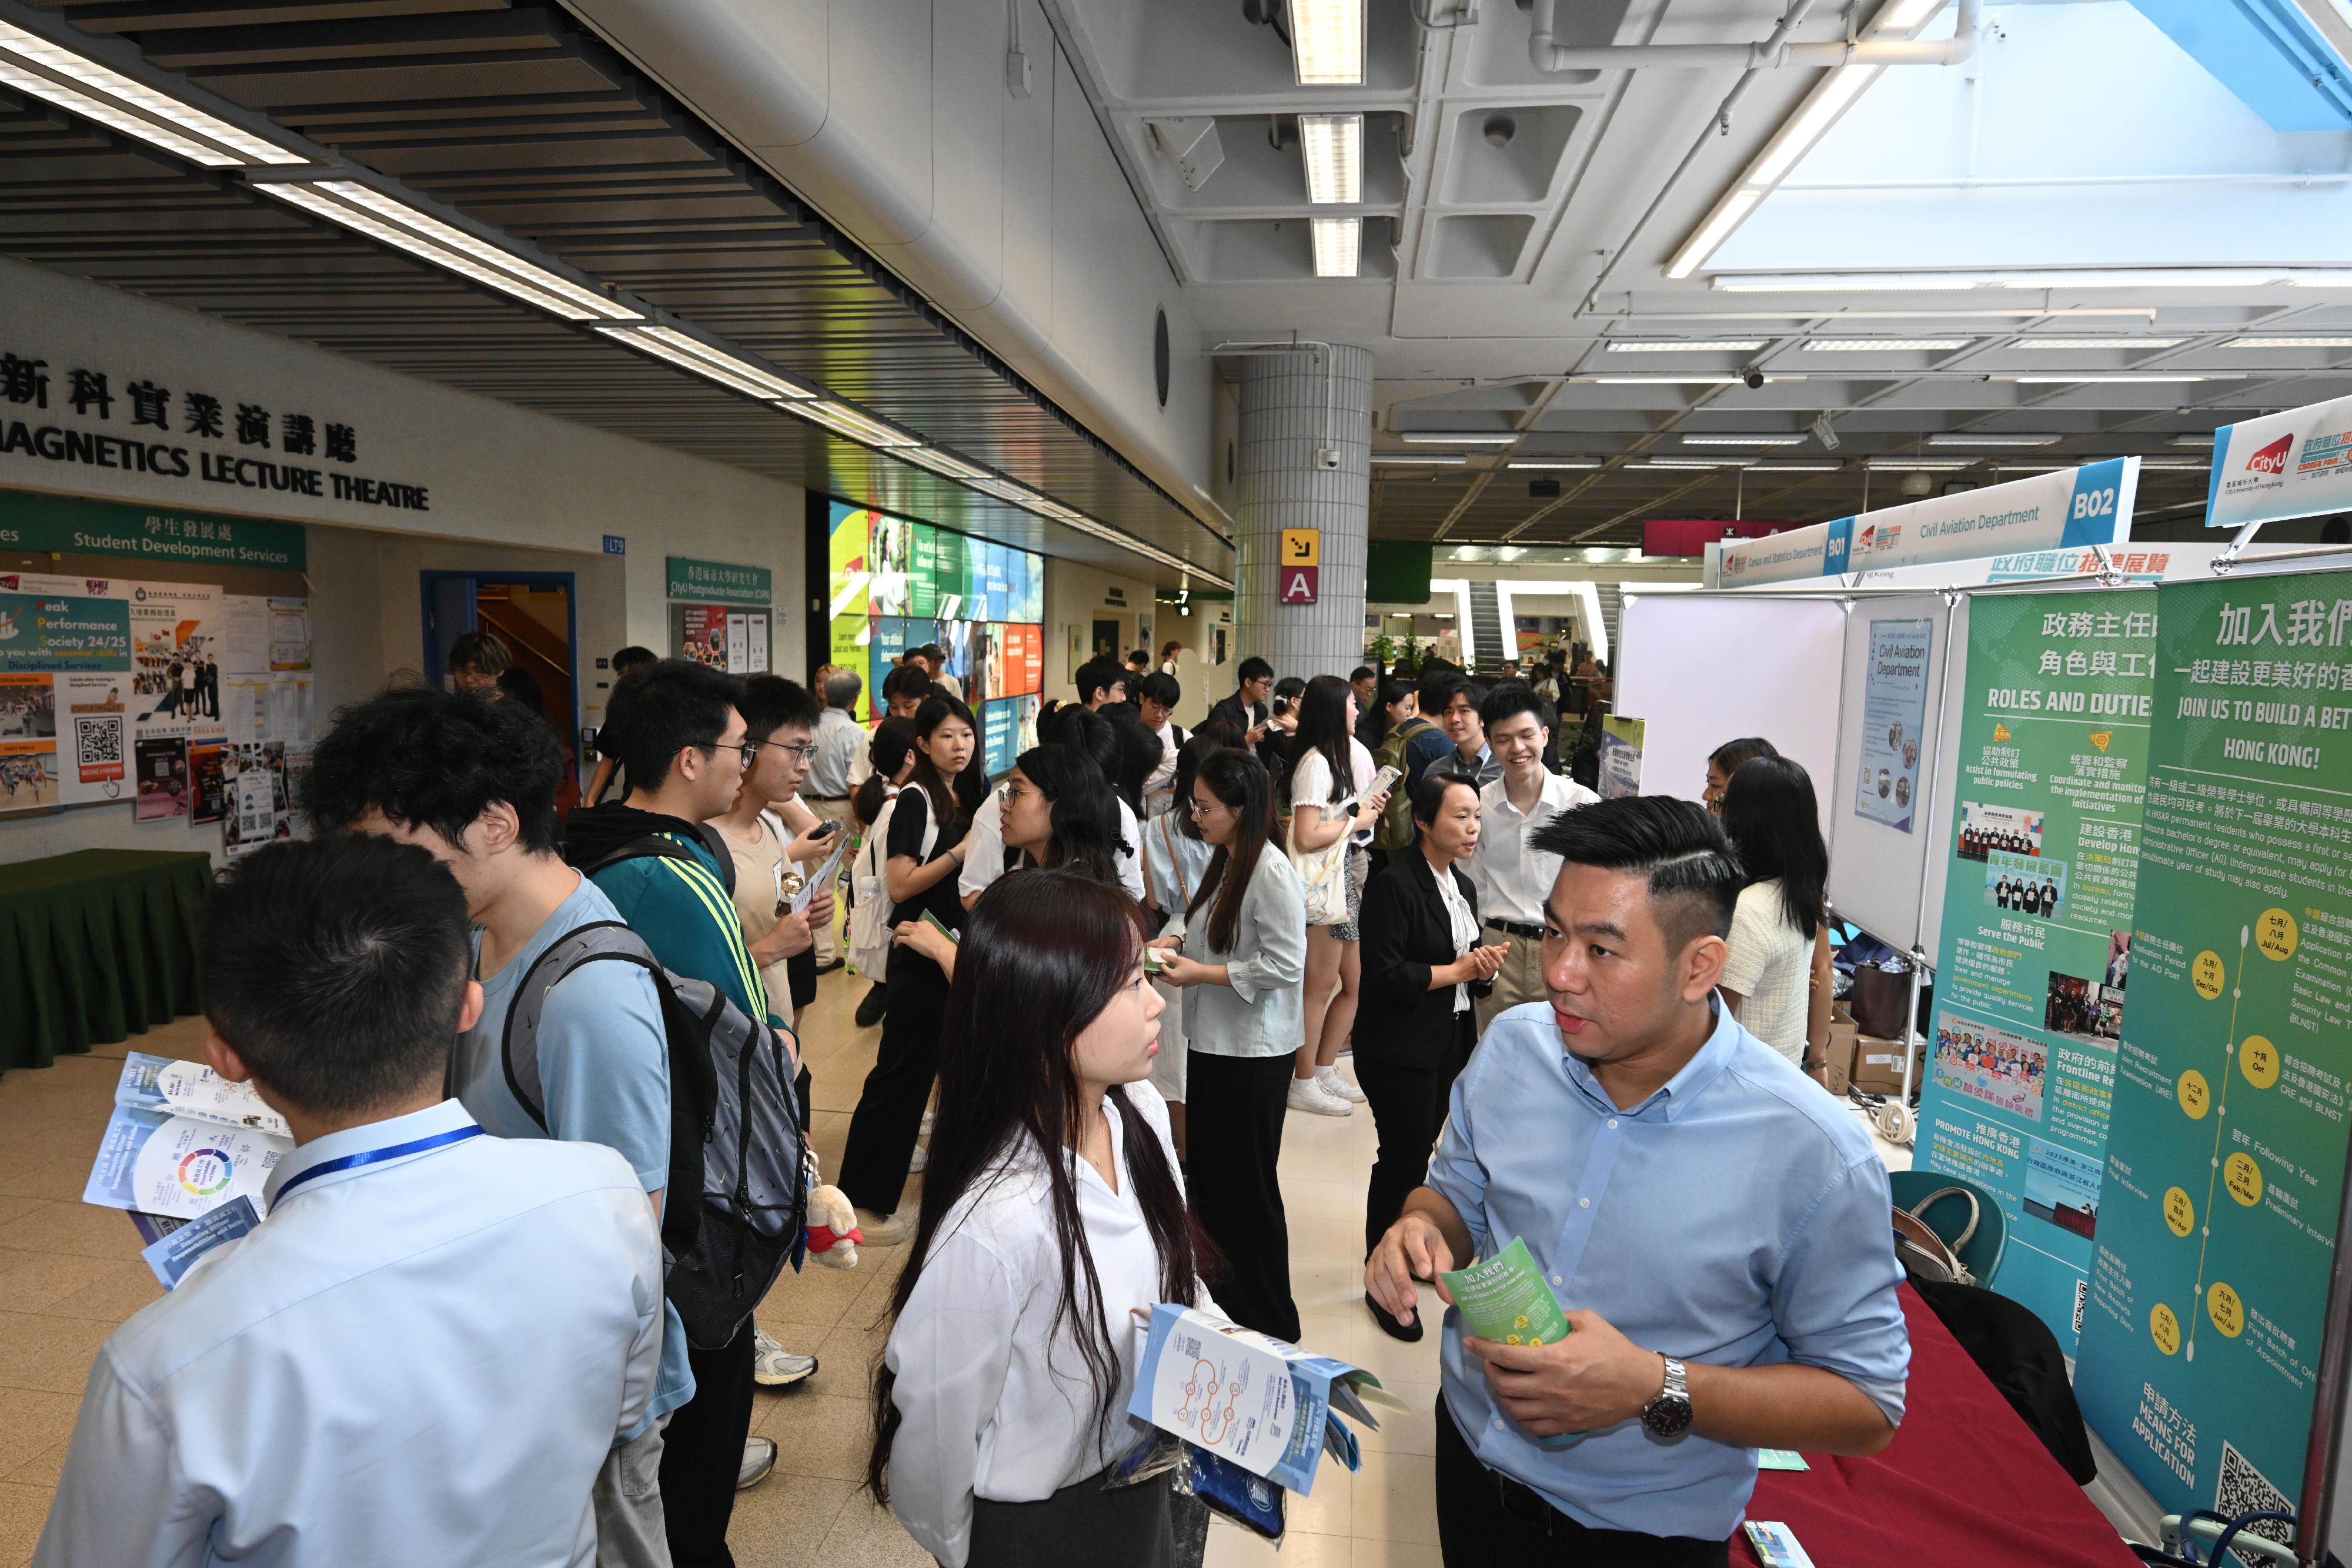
(2035, 945)
(1893, 720)
(2287, 465)
(2226, 1160)
(2070, 507)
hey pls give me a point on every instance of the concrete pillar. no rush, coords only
(1292, 405)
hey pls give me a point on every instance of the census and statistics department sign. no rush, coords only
(719, 582)
(68, 416)
(2290, 464)
(67, 525)
(2066, 509)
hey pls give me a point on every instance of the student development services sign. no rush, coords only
(2070, 507)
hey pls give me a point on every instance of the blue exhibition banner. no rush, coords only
(2069, 507)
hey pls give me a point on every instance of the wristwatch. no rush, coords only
(1669, 1415)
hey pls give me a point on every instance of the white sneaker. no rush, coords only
(922, 1160)
(774, 1366)
(1329, 1080)
(1306, 1095)
(882, 1229)
(759, 1462)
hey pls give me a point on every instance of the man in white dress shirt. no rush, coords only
(425, 1351)
(1513, 879)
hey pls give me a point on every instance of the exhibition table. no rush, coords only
(95, 946)
(1965, 1483)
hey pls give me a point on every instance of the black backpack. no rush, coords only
(738, 1128)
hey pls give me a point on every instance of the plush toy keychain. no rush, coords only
(832, 1233)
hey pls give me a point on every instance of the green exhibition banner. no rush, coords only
(923, 577)
(2226, 1160)
(2035, 945)
(949, 589)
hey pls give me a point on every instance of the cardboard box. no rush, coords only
(1835, 1071)
(1878, 1064)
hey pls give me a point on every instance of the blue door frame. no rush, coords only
(449, 601)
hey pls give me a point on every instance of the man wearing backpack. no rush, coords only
(1396, 830)
(473, 783)
(681, 741)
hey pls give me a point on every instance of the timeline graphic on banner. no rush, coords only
(2225, 1162)
(2036, 945)
(2070, 508)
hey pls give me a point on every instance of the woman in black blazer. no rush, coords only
(1422, 965)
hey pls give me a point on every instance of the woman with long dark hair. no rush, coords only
(1238, 951)
(1174, 860)
(1052, 1210)
(1331, 799)
(1725, 760)
(1774, 825)
(891, 756)
(929, 823)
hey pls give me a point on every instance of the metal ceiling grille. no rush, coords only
(526, 122)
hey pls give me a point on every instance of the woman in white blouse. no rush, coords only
(1768, 975)
(1331, 799)
(1053, 1210)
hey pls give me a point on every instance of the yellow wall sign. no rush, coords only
(1302, 547)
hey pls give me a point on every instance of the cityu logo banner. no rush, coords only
(2271, 459)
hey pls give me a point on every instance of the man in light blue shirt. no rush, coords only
(1718, 1225)
(428, 1348)
(473, 783)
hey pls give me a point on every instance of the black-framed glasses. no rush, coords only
(748, 754)
(806, 750)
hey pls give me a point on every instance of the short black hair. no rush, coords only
(1254, 669)
(336, 967)
(1694, 877)
(1729, 756)
(480, 651)
(769, 702)
(1438, 685)
(840, 689)
(1507, 700)
(1096, 675)
(907, 681)
(1428, 792)
(1140, 656)
(429, 758)
(632, 657)
(1362, 673)
(1084, 730)
(1161, 688)
(661, 709)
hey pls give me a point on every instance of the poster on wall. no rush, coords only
(256, 795)
(720, 636)
(2036, 944)
(28, 743)
(162, 764)
(207, 787)
(2225, 1160)
(289, 633)
(178, 642)
(1620, 756)
(47, 633)
(93, 737)
(1894, 719)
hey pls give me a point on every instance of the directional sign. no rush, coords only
(1299, 583)
(1302, 547)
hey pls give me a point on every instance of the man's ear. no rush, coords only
(499, 826)
(470, 1012)
(223, 1059)
(1703, 961)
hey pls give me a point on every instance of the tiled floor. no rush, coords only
(70, 1272)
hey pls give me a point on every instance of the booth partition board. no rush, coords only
(1881, 794)
(1704, 668)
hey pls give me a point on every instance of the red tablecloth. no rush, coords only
(1964, 1484)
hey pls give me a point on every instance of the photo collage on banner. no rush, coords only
(898, 584)
(2225, 1165)
(114, 690)
(2036, 944)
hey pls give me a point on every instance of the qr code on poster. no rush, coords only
(2245, 1490)
(98, 741)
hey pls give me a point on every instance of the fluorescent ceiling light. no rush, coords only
(2290, 343)
(2031, 467)
(1691, 463)
(1452, 459)
(1864, 345)
(1743, 440)
(1795, 139)
(1713, 233)
(1964, 438)
(2174, 465)
(1333, 148)
(2093, 378)
(1672, 380)
(1933, 465)
(2190, 441)
(1338, 242)
(2103, 342)
(2113, 277)
(1555, 463)
(1693, 346)
(938, 462)
(1908, 14)
(1443, 438)
(843, 419)
(1826, 282)
(33, 64)
(691, 354)
(1796, 467)
(1327, 41)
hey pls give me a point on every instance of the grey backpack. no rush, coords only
(737, 1135)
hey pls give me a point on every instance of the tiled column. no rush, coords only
(1294, 404)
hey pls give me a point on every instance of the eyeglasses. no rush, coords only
(747, 753)
(806, 750)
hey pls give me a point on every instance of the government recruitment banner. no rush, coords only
(2067, 508)
(2289, 465)
(2225, 1162)
(2036, 948)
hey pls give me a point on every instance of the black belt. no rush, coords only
(1518, 928)
(837, 798)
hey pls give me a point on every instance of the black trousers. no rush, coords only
(703, 1452)
(1484, 1519)
(1233, 1110)
(889, 1115)
(1409, 1110)
(1082, 1523)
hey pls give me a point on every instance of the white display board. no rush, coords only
(1890, 751)
(1700, 669)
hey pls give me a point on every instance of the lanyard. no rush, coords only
(373, 1156)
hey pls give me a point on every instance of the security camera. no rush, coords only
(1326, 457)
(1753, 377)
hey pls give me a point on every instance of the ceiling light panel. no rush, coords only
(2114, 278)
(51, 72)
(1333, 148)
(2190, 441)
(844, 419)
(1339, 243)
(1691, 463)
(2290, 343)
(1964, 438)
(2093, 378)
(1440, 458)
(938, 462)
(1867, 345)
(1743, 440)
(1672, 380)
(1445, 438)
(1694, 346)
(691, 353)
(1554, 463)
(2102, 342)
(1931, 465)
(1795, 467)
(1327, 41)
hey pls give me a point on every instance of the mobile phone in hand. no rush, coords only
(824, 830)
